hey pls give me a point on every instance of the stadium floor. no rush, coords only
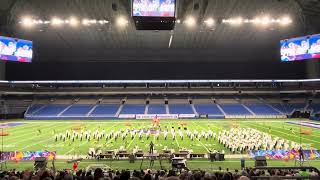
(26, 136)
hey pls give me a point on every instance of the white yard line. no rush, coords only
(288, 134)
(46, 140)
(133, 138)
(200, 141)
(85, 142)
(26, 139)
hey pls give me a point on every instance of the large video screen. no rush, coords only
(301, 48)
(153, 8)
(12, 49)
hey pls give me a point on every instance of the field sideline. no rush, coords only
(25, 137)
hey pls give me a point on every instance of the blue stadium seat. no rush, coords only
(234, 109)
(288, 108)
(78, 110)
(133, 109)
(51, 110)
(211, 109)
(107, 109)
(180, 109)
(34, 108)
(262, 109)
(315, 108)
(157, 109)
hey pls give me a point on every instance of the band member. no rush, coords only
(151, 147)
(301, 156)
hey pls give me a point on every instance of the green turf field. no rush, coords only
(25, 137)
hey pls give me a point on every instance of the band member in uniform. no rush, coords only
(301, 156)
(151, 147)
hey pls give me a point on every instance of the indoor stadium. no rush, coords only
(159, 89)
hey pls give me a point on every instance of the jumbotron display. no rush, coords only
(301, 48)
(153, 8)
(12, 49)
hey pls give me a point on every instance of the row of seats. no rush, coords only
(110, 110)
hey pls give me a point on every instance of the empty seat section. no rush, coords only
(288, 108)
(279, 107)
(78, 110)
(34, 108)
(315, 108)
(157, 109)
(208, 109)
(50, 110)
(262, 109)
(180, 109)
(107, 109)
(133, 109)
(234, 109)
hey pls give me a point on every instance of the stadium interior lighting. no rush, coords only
(101, 22)
(209, 22)
(285, 20)
(178, 21)
(27, 22)
(73, 21)
(265, 20)
(233, 21)
(56, 21)
(190, 21)
(85, 22)
(93, 21)
(121, 21)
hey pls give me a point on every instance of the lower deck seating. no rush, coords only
(50, 110)
(105, 110)
(77, 110)
(210, 109)
(234, 109)
(33, 108)
(133, 109)
(288, 108)
(262, 109)
(157, 109)
(315, 108)
(180, 109)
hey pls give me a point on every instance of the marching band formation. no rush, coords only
(243, 139)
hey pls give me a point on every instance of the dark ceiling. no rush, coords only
(108, 43)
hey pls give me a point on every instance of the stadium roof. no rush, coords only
(107, 43)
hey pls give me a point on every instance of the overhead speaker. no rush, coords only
(114, 7)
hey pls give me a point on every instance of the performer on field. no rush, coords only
(151, 147)
(301, 156)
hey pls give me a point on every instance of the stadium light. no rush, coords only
(56, 21)
(265, 20)
(73, 21)
(233, 21)
(209, 22)
(285, 20)
(190, 21)
(27, 22)
(101, 22)
(178, 21)
(121, 21)
(85, 22)
(93, 21)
